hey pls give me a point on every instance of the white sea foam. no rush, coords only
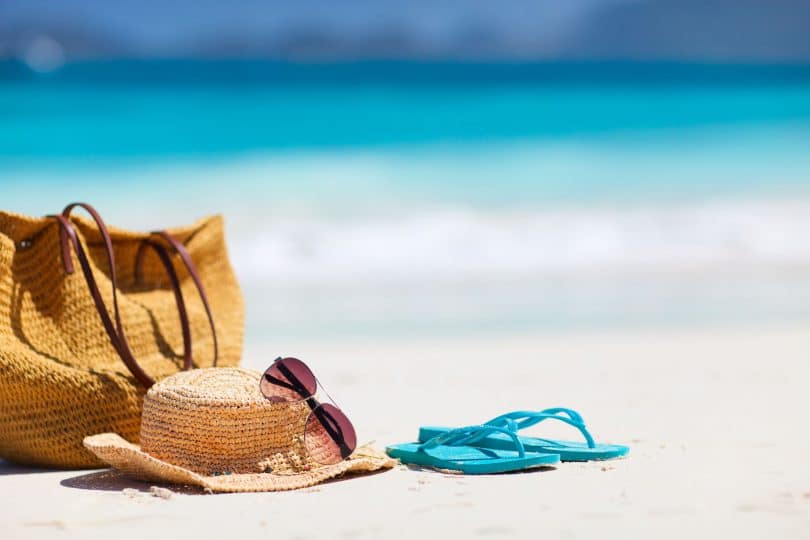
(473, 244)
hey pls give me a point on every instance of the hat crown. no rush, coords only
(216, 421)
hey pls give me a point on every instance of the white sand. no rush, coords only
(717, 421)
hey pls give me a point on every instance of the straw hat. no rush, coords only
(214, 428)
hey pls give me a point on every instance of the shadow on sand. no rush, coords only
(8, 468)
(112, 480)
(447, 472)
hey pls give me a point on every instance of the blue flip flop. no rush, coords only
(457, 450)
(517, 420)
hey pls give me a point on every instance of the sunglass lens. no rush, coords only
(288, 379)
(329, 436)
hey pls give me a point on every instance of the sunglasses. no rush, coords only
(329, 436)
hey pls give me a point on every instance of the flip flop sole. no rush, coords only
(470, 459)
(568, 450)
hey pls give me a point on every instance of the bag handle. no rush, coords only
(114, 329)
(185, 256)
(178, 295)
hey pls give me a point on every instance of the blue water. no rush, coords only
(93, 114)
(119, 109)
(432, 196)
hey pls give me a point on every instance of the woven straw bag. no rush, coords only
(79, 303)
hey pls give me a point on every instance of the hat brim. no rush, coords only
(129, 458)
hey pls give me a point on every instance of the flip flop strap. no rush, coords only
(530, 418)
(526, 419)
(469, 435)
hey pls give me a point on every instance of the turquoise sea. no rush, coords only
(395, 197)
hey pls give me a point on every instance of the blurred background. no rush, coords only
(399, 169)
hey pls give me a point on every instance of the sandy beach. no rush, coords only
(449, 212)
(714, 417)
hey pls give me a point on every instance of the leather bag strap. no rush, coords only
(178, 294)
(185, 256)
(68, 236)
(113, 325)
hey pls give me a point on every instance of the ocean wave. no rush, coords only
(466, 244)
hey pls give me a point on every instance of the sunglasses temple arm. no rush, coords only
(322, 387)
